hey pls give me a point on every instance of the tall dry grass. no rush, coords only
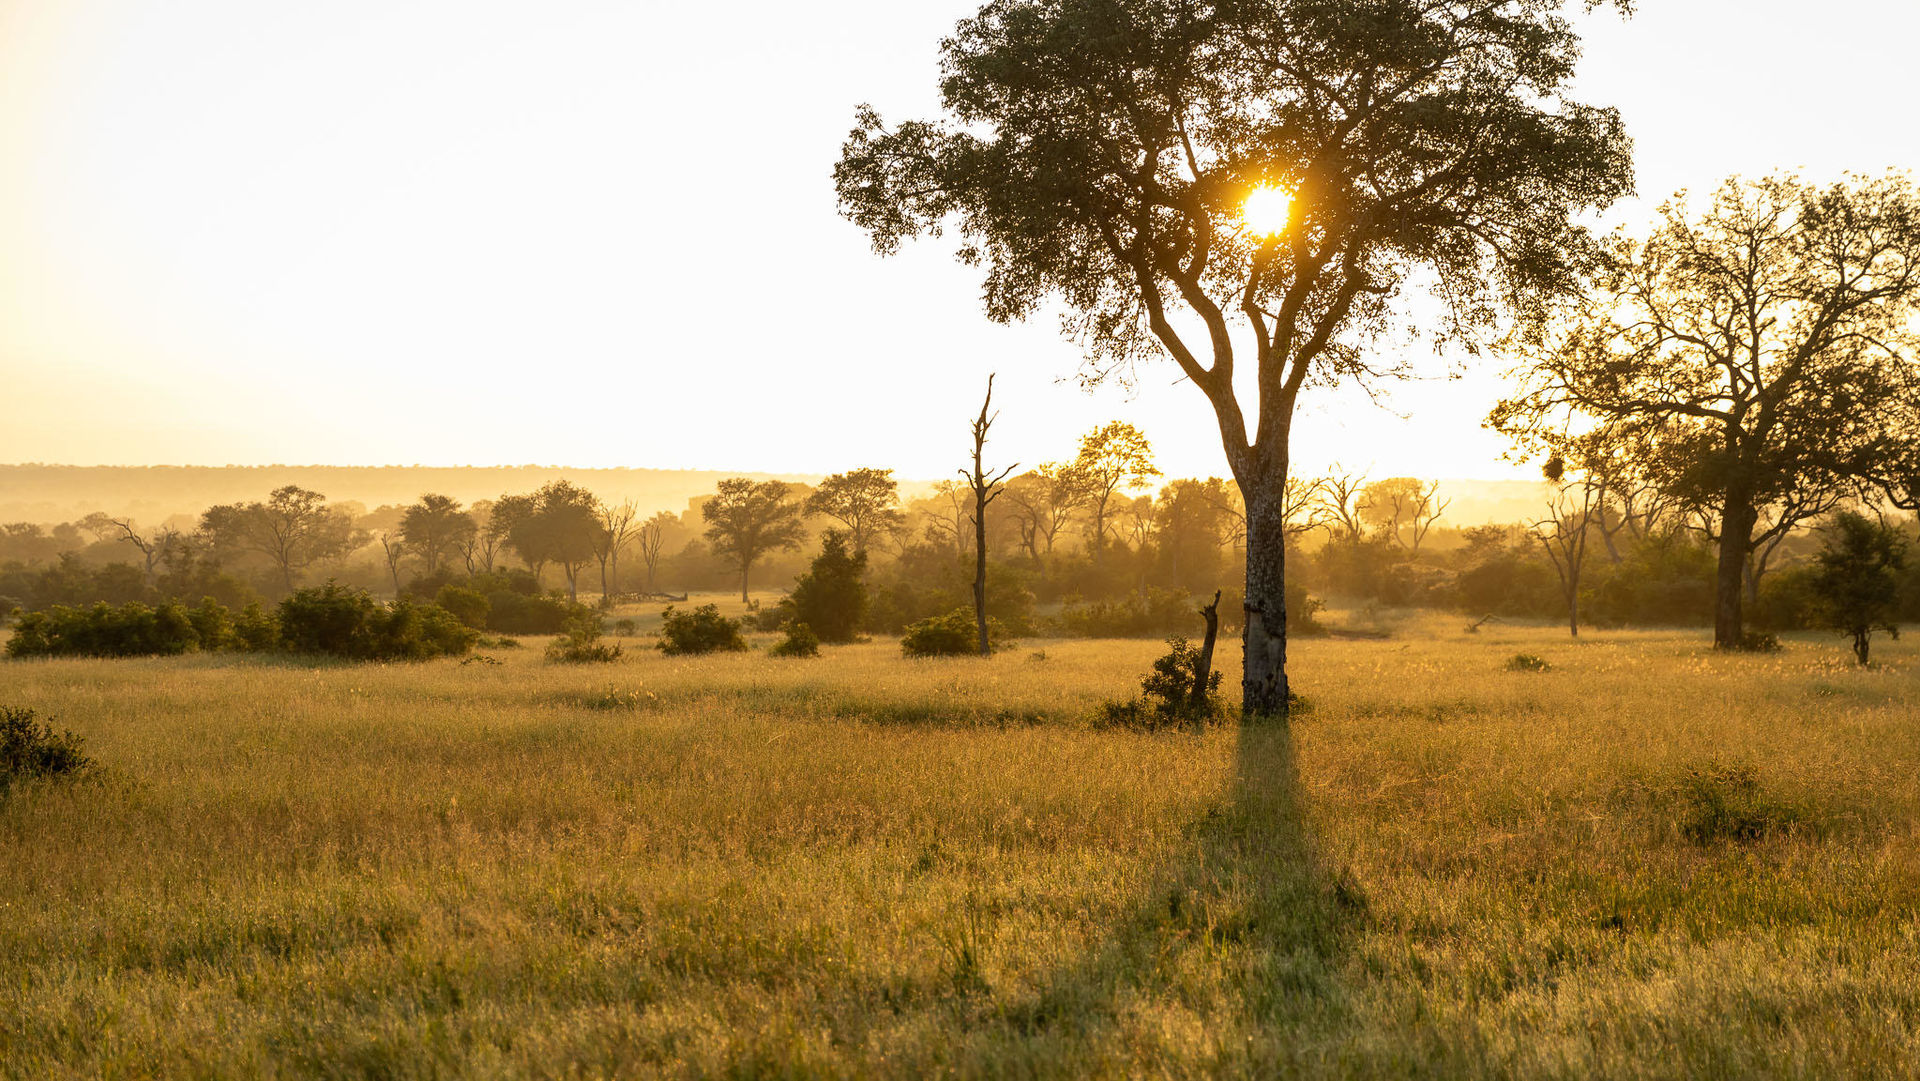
(1648, 861)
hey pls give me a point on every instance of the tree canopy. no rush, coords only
(746, 520)
(1756, 354)
(1099, 153)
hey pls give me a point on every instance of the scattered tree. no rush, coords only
(1857, 578)
(831, 597)
(650, 538)
(1113, 458)
(434, 528)
(1103, 154)
(294, 528)
(864, 500)
(986, 487)
(746, 520)
(1744, 354)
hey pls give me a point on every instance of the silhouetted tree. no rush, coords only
(435, 527)
(863, 500)
(650, 538)
(986, 487)
(1101, 151)
(1113, 458)
(1563, 533)
(615, 531)
(747, 520)
(1857, 578)
(1043, 501)
(1191, 524)
(294, 529)
(831, 597)
(1744, 354)
(155, 548)
(393, 548)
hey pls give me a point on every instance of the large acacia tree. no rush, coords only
(1099, 153)
(1755, 355)
(746, 520)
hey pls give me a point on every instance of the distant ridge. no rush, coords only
(57, 493)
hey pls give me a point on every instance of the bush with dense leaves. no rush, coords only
(703, 630)
(952, 635)
(831, 598)
(104, 630)
(799, 642)
(511, 612)
(469, 606)
(30, 749)
(1166, 694)
(341, 621)
(582, 645)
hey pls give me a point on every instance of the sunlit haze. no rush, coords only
(604, 234)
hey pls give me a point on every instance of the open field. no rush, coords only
(1650, 861)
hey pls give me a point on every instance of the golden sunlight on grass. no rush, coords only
(1643, 860)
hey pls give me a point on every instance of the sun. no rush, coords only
(1267, 210)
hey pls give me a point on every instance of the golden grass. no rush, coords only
(1650, 861)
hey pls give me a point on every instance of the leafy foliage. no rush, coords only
(951, 635)
(582, 645)
(341, 621)
(104, 630)
(831, 597)
(1857, 579)
(1166, 694)
(799, 642)
(703, 630)
(30, 749)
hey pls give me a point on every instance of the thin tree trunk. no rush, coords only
(1263, 686)
(980, 563)
(1203, 668)
(745, 568)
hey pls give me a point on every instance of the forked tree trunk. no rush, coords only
(1729, 585)
(1263, 686)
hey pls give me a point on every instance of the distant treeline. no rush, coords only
(1097, 543)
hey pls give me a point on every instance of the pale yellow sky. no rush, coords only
(449, 231)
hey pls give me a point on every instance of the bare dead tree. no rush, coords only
(154, 548)
(986, 488)
(1340, 503)
(1425, 509)
(395, 550)
(615, 532)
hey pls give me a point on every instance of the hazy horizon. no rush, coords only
(418, 231)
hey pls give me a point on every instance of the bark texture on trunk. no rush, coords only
(1203, 668)
(1729, 585)
(1263, 686)
(745, 569)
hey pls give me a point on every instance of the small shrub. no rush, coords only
(582, 645)
(257, 630)
(1166, 694)
(510, 611)
(479, 658)
(800, 642)
(30, 749)
(1759, 642)
(1527, 662)
(703, 630)
(952, 635)
(626, 628)
(1723, 803)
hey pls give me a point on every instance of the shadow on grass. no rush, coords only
(1233, 958)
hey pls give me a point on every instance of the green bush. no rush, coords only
(582, 645)
(31, 749)
(341, 621)
(1527, 662)
(511, 612)
(952, 635)
(800, 642)
(703, 630)
(1166, 694)
(129, 630)
(831, 598)
(257, 630)
(213, 625)
(469, 606)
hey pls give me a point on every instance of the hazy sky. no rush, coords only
(454, 231)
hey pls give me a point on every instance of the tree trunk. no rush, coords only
(1203, 668)
(1263, 687)
(745, 567)
(1729, 585)
(980, 567)
(1862, 642)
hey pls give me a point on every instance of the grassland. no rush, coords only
(1649, 861)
